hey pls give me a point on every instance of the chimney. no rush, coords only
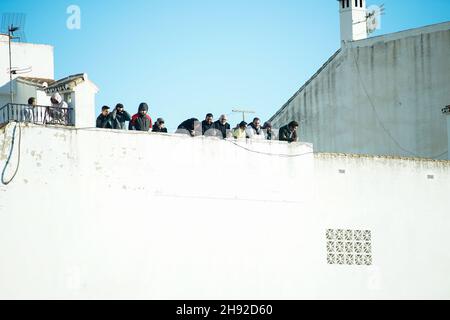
(446, 112)
(353, 15)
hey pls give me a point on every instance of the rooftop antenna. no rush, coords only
(373, 18)
(244, 112)
(13, 25)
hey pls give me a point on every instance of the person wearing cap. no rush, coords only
(159, 126)
(208, 124)
(268, 132)
(141, 121)
(240, 131)
(104, 120)
(254, 130)
(223, 127)
(192, 127)
(289, 133)
(119, 117)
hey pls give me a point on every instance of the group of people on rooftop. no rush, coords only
(142, 121)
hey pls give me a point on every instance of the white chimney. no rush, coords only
(353, 15)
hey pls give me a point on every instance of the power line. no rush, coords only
(271, 154)
(372, 104)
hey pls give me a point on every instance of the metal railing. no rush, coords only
(37, 114)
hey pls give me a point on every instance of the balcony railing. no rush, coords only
(37, 114)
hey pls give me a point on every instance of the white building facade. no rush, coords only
(94, 214)
(378, 96)
(37, 80)
(353, 20)
(36, 60)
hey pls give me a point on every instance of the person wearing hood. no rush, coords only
(119, 117)
(141, 121)
(58, 112)
(57, 101)
(192, 127)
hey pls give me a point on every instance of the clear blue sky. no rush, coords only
(189, 57)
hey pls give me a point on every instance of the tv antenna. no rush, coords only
(244, 112)
(12, 26)
(373, 18)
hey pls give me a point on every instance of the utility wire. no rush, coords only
(379, 118)
(271, 154)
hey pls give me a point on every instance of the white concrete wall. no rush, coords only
(84, 102)
(353, 21)
(405, 77)
(106, 214)
(448, 134)
(38, 57)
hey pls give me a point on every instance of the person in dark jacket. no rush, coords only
(159, 126)
(289, 133)
(119, 117)
(191, 127)
(141, 121)
(104, 120)
(269, 134)
(208, 124)
(223, 127)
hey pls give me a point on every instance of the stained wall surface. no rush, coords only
(379, 96)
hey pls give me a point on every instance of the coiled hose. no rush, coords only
(6, 182)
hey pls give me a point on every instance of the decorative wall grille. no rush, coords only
(349, 247)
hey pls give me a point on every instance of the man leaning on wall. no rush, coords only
(289, 132)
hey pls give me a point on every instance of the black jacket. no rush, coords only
(206, 127)
(270, 135)
(286, 135)
(158, 129)
(188, 127)
(104, 122)
(140, 123)
(224, 129)
(118, 119)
